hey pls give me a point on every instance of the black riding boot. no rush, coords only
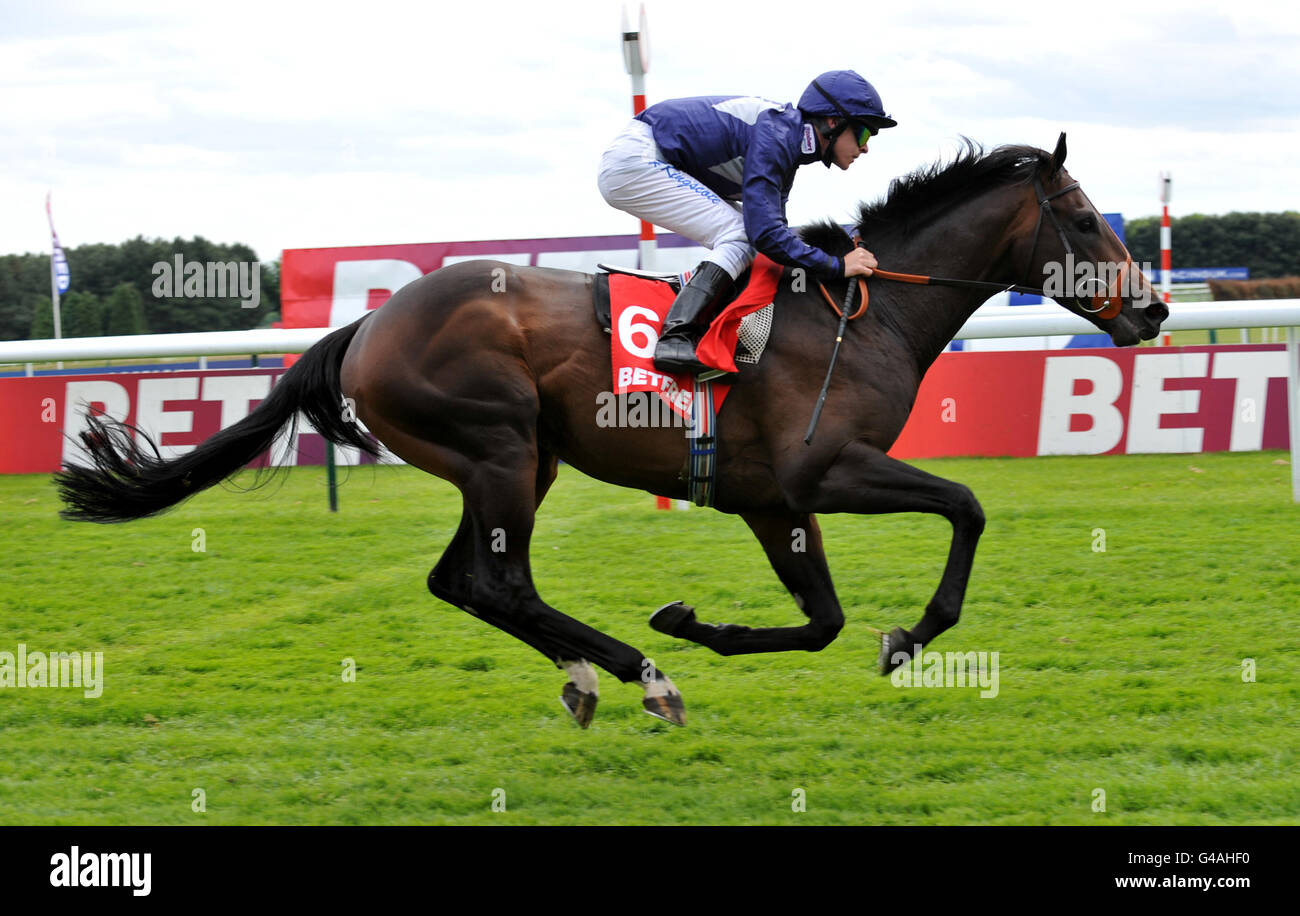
(688, 319)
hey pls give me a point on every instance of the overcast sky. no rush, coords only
(296, 126)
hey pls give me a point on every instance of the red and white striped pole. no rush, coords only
(636, 57)
(1166, 254)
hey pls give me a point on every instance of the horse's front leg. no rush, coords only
(793, 544)
(865, 480)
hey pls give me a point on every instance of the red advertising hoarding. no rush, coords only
(332, 287)
(1053, 402)
(1145, 400)
(41, 417)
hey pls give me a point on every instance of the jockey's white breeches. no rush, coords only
(634, 178)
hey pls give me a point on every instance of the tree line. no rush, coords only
(115, 289)
(1267, 243)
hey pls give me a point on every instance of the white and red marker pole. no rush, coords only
(1166, 251)
(636, 57)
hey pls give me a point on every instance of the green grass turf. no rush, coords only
(1119, 671)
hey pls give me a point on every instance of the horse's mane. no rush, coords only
(917, 198)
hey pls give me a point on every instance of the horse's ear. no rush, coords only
(1058, 155)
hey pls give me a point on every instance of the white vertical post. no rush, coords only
(56, 251)
(54, 298)
(1166, 255)
(636, 58)
(54, 291)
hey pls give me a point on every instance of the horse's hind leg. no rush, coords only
(452, 579)
(580, 694)
(485, 571)
(793, 544)
(453, 574)
(443, 412)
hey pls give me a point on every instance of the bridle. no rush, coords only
(1106, 304)
(1045, 206)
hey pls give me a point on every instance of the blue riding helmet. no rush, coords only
(845, 95)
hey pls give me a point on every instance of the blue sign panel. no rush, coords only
(1201, 274)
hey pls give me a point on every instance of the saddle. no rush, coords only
(754, 327)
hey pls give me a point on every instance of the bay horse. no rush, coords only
(487, 374)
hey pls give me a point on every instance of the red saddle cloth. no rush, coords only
(637, 308)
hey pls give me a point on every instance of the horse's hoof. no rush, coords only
(670, 618)
(670, 708)
(579, 704)
(895, 649)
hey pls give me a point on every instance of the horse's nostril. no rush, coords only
(1157, 312)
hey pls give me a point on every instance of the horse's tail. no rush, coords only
(125, 482)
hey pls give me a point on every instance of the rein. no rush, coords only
(1106, 304)
(862, 288)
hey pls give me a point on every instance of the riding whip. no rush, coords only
(839, 338)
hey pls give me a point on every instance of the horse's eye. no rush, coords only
(1087, 224)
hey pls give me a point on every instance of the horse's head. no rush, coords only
(1070, 250)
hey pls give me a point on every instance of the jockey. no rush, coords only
(689, 165)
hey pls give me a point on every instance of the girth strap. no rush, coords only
(702, 465)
